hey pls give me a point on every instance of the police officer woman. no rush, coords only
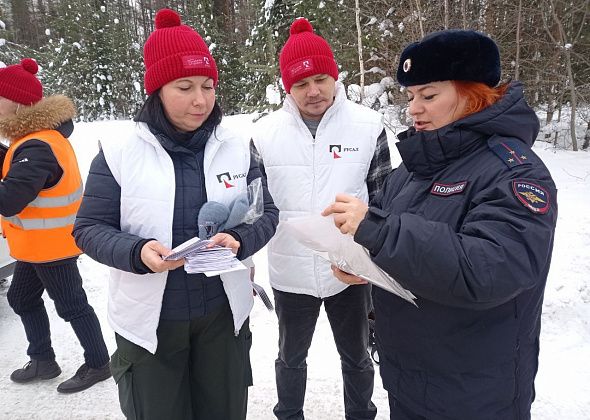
(467, 224)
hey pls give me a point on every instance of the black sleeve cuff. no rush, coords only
(137, 264)
(237, 237)
(368, 230)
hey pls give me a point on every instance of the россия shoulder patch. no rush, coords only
(533, 196)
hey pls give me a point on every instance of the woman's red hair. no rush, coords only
(479, 96)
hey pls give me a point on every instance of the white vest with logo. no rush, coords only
(145, 172)
(305, 174)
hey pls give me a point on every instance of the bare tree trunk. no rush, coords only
(573, 97)
(464, 14)
(446, 14)
(243, 16)
(135, 20)
(558, 120)
(420, 18)
(42, 13)
(24, 25)
(145, 23)
(517, 59)
(357, 12)
(222, 11)
(549, 118)
(550, 112)
(586, 137)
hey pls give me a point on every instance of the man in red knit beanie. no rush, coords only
(317, 145)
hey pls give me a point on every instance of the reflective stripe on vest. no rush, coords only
(42, 231)
(53, 202)
(32, 224)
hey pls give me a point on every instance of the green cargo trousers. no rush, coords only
(200, 371)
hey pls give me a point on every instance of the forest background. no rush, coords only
(91, 50)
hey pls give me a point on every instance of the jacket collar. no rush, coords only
(48, 114)
(152, 114)
(426, 152)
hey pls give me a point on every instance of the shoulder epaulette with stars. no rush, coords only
(510, 151)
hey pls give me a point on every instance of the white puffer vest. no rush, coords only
(305, 174)
(144, 170)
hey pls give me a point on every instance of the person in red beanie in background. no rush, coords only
(318, 145)
(40, 192)
(179, 354)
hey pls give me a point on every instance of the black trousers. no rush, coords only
(347, 312)
(200, 371)
(63, 284)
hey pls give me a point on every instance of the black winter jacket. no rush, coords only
(97, 229)
(466, 223)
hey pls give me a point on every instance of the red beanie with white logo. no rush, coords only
(19, 84)
(173, 51)
(305, 54)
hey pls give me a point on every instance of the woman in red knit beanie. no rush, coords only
(182, 344)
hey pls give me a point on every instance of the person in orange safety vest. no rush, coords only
(40, 193)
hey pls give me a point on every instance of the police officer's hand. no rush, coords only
(348, 212)
(225, 240)
(344, 277)
(153, 252)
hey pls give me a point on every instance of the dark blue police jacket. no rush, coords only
(467, 224)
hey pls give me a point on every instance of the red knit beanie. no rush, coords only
(173, 51)
(305, 54)
(19, 84)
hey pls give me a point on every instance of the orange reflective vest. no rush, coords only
(42, 232)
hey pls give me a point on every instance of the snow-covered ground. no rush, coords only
(563, 382)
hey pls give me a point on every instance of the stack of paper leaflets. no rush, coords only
(319, 234)
(202, 258)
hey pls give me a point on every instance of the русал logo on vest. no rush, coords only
(337, 150)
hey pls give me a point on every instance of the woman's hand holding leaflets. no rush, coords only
(348, 212)
(152, 254)
(225, 240)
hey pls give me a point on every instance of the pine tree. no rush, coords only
(93, 59)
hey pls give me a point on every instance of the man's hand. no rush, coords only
(348, 212)
(225, 240)
(344, 277)
(152, 254)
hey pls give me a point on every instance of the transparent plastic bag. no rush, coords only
(321, 235)
(255, 200)
(247, 207)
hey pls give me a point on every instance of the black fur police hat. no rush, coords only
(450, 55)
